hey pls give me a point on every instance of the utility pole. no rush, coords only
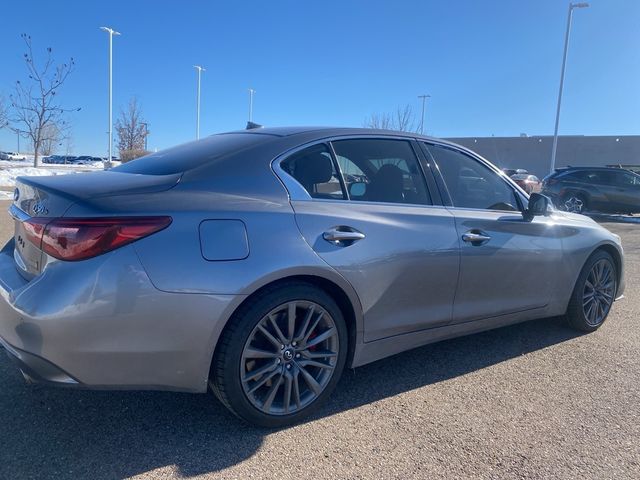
(200, 69)
(424, 99)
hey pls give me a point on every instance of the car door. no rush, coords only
(374, 221)
(623, 190)
(507, 264)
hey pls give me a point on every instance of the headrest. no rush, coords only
(314, 168)
(390, 173)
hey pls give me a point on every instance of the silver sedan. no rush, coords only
(259, 264)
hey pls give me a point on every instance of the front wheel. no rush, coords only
(281, 356)
(594, 293)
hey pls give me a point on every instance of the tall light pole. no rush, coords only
(424, 99)
(200, 69)
(251, 92)
(564, 63)
(111, 33)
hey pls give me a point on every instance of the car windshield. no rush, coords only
(191, 155)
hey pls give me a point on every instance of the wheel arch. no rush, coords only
(617, 259)
(338, 289)
(615, 253)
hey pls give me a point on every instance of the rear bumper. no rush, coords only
(100, 323)
(36, 369)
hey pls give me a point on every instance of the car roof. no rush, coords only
(613, 169)
(322, 132)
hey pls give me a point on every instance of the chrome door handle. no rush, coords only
(476, 238)
(338, 235)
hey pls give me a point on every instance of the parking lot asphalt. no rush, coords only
(535, 400)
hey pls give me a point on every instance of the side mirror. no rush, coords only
(357, 189)
(538, 206)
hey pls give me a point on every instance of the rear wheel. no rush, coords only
(281, 356)
(594, 293)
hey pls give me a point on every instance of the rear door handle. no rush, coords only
(475, 237)
(342, 234)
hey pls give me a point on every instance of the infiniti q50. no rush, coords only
(259, 264)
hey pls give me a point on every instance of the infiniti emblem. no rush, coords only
(288, 355)
(39, 209)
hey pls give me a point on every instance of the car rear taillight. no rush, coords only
(81, 238)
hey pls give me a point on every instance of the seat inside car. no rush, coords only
(315, 169)
(387, 185)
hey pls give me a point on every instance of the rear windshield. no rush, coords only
(191, 155)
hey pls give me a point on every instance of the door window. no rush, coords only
(470, 183)
(381, 170)
(625, 179)
(315, 171)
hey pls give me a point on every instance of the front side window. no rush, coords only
(381, 170)
(470, 183)
(626, 179)
(314, 170)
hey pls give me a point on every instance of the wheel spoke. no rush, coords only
(587, 301)
(607, 296)
(589, 285)
(313, 363)
(263, 381)
(259, 353)
(281, 337)
(305, 323)
(288, 384)
(296, 389)
(313, 327)
(291, 320)
(258, 372)
(320, 354)
(271, 395)
(589, 312)
(322, 337)
(269, 337)
(313, 385)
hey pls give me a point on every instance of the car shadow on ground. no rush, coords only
(62, 433)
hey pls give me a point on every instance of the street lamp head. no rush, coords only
(109, 30)
(579, 5)
(200, 68)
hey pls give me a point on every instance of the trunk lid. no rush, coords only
(40, 199)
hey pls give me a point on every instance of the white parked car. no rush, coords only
(12, 156)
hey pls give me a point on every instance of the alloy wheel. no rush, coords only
(289, 357)
(599, 290)
(574, 204)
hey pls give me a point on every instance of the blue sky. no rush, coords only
(491, 66)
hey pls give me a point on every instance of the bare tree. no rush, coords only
(379, 121)
(34, 104)
(4, 112)
(401, 119)
(132, 131)
(53, 136)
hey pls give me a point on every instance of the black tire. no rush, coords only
(229, 362)
(577, 313)
(570, 201)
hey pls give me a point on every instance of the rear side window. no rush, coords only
(191, 155)
(381, 170)
(472, 184)
(313, 168)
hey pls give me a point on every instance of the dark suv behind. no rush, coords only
(578, 189)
